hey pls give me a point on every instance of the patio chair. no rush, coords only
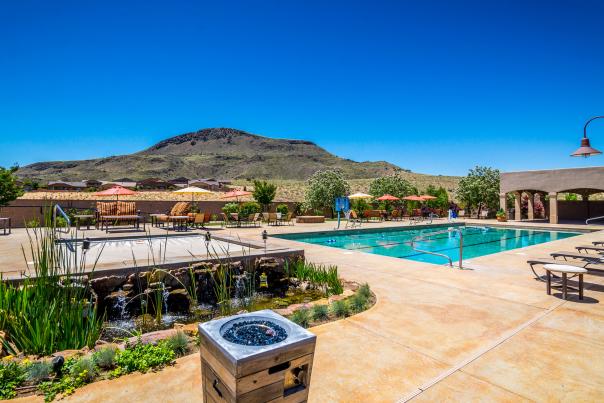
(461, 214)
(227, 221)
(256, 219)
(353, 220)
(199, 220)
(395, 215)
(179, 209)
(484, 214)
(272, 219)
(287, 219)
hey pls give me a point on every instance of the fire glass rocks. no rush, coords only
(255, 357)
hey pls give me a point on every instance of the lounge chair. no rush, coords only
(228, 222)
(594, 267)
(272, 219)
(199, 219)
(580, 256)
(179, 209)
(587, 248)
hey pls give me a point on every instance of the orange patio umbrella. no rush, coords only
(414, 198)
(116, 191)
(428, 197)
(388, 197)
(236, 194)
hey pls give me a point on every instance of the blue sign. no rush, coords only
(342, 204)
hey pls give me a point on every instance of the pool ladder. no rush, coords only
(424, 237)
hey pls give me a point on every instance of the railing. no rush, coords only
(426, 236)
(593, 219)
(57, 209)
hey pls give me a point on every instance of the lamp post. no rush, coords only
(264, 238)
(586, 150)
(208, 239)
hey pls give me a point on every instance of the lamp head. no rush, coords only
(264, 235)
(208, 236)
(585, 150)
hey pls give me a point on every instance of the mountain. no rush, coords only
(220, 153)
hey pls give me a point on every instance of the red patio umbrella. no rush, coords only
(388, 197)
(414, 198)
(116, 191)
(428, 197)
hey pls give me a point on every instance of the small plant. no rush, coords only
(364, 291)
(340, 309)
(358, 303)
(11, 376)
(83, 367)
(283, 209)
(65, 386)
(320, 312)
(105, 357)
(301, 317)
(179, 343)
(500, 213)
(249, 208)
(230, 208)
(143, 357)
(38, 371)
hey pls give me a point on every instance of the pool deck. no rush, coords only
(489, 333)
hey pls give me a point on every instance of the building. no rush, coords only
(66, 186)
(549, 184)
(154, 184)
(209, 184)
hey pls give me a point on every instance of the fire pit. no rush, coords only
(259, 357)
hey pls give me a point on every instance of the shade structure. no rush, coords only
(116, 191)
(360, 195)
(236, 194)
(388, 197)
(192, 190)
(414, 198)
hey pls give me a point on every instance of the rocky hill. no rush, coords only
(219, 152)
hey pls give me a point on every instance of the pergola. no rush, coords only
(583, 181)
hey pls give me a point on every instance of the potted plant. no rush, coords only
(501, 217)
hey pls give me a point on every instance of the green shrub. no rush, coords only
(249, 208)
(179, 343)
(70, 382)
(51, 311)
(301, 317)
(143, 357)
(340, 309)
(11, 376)
(105, 357)
(320, 312)
(83, 367)
(283, 209)
(358, 303)
(230, 208)
(318, 276)
(364, 291)
(38, 371)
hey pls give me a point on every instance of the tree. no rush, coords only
(394, 185)
(9, 188)
(480, 188)
(442, 197)
(264, 193)
(323, 188)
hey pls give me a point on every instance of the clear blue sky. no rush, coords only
(435, 87)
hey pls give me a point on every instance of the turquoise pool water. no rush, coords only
(477, 241)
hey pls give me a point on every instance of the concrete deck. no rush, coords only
(489, 333)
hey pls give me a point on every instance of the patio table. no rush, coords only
(179, 222)
(83, 217)
(565, 270)
(154, 219)
(108, 219)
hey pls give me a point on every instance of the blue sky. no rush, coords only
(436, 87)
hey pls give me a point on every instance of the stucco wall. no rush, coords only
(553, 180)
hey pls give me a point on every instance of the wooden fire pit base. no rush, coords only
(310, 219)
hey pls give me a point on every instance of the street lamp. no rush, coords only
(586, 150)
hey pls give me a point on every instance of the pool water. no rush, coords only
(477, 241)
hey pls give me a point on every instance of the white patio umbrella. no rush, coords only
(360, 195)
(192, 190)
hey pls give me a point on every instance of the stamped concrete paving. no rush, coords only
(487, 333)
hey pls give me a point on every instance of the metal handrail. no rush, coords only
(56, 209)
(593, 219)
(425, 236)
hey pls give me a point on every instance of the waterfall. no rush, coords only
(120, 305)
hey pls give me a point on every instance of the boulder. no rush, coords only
(180, 278)
(190, 329)
(152, 337)
(107, 284)
(178, 301)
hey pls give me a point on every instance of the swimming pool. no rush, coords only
(477, 241)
